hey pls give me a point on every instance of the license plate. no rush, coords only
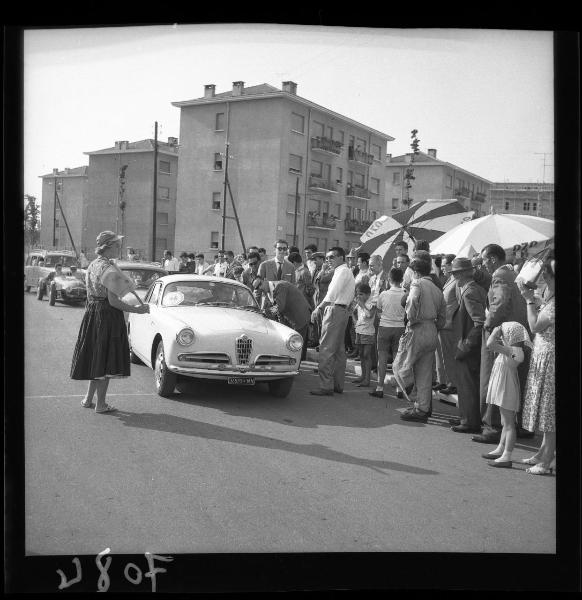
(241, 381)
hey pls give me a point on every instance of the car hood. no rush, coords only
(214, 320)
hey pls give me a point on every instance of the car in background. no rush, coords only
(212, 328)
(34, 274)
(69, 289)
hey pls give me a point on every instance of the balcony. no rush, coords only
(325, 145)
(464, 192)
(321, 221)
(317, 183)
(480, 196)
(355, 191)
(360, 156)
(355, 226)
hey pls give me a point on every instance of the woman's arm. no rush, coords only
(120, 305)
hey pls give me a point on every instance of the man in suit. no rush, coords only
(278, 268)
(467, 328)
(290, 303)
(504, 303)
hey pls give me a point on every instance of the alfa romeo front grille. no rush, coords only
(243, 348)
(268, 359)
(205, 357)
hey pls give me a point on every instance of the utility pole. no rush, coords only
(295, 215)
(155, 203)
(55, 215)
(224, 198)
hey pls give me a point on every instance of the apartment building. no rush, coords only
(296, 171)
(121, 195)
(536, 199)
(63, 202)
(434, 179)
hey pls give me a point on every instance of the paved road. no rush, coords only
(222, 469)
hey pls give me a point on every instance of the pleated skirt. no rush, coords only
(102, 348)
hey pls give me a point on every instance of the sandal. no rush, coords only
(106, 409)
(85, 405)
(532, 460)
(539, 469)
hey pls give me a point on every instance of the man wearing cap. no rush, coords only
(289, 302)
(482, 276)
(467, 327)
(332, 352)
(504, 303)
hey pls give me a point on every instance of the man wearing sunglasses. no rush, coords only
(252, 269)
(335, 304)
(278, 268)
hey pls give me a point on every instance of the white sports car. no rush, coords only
(212, 328)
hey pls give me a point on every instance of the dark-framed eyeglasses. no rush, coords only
(280, 248)
(330, 256)
(252, 264)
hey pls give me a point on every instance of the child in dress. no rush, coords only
(365, 332)
(507, 340)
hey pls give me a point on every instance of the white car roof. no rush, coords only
(190, 277)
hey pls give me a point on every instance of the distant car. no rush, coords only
(212, 328)
(64, 288)
(34, 274)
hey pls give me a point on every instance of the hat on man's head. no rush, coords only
(461, 264)
(107, 238)
(476, 260)
(318, 255)
(351, 254)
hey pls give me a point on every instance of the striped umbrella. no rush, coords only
(426, 220)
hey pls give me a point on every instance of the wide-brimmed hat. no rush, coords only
(461, 264)
(107, 238)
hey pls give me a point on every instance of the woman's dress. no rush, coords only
(102, 348)
(540, 388)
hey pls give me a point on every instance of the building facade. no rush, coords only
(121, 195)
(535, 199)
(63, 203)
(434, 179)
(296, 171)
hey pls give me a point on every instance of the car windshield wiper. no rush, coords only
(212, 304)
(253, 308)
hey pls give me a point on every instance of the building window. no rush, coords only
(329, 133)
(291, 204)
(360, 180)
(507, 206)
(219, 126)
(165, 166)
(373, 215)
(535, 207)
(341, 136)
(374, 185)
(394, 203)
(351, 141)
(361, 144)
(164, 193)
(318, 129)
(297, 123)
(314, 206)
(214, 239)
(338, 210)
(217, 161)
(348, 212)
(316, 168)
(526, 206)
(339, 174)
(162, 218)
(215, 200)
(449, 181)
(396, 178)
(295, 163)
(161, 243)
(377, 151)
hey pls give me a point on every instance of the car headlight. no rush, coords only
(295, 342)
(185, 337)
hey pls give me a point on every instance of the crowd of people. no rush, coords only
(445, 323)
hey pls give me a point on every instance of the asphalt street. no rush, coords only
(220, 468)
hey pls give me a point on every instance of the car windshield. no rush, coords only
(208, 293)
(51, 260)
(143, 278)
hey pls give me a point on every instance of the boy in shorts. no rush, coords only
(365, 332)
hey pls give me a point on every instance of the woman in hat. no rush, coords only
(102, 349)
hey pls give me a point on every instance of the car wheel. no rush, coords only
(52, 295)
(165, 380)
(281, 387)
(133, 358)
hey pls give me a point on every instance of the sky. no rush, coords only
(482, 98)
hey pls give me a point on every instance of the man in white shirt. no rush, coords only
(335, 304)
(171, 264)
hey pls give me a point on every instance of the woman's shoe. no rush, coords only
(539, 469)
(504, 464)
(356, 381)
(532, 460)
(491, 455)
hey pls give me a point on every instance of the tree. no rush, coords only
(31, 220)
(409, 176)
